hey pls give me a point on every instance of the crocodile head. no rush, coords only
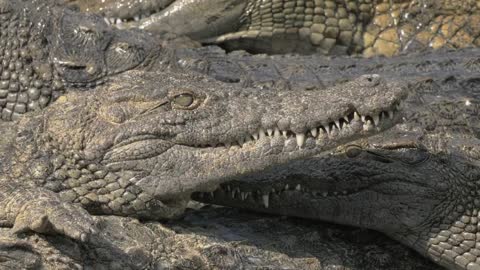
(417, 182)
(141, 144)
(46, 47)
(206, 18)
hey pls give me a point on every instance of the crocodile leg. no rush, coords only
(42, 211)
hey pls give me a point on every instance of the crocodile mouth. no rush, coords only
(318, 186)
(272, 141)
(127, 21)
(334, 129)
(268, 195)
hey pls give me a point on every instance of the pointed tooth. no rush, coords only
(136, 18)
(270, 132)
(243, 195)
(266, 200)
(298, 187)
(337, 123)
(261, 133)
(284, 133)
(118, 21)
(314, 132)
(356, 116)
(300, 139)
(390, 114)
(324, 194)
(256, 136)
(107, 20)
(277, 132)
(346, 119)
(376, 119)
(321, 132)
(329, 130)
(287, 186)
(363, 118)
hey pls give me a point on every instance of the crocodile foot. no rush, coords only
(55, 217)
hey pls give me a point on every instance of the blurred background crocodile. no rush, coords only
(368, 27)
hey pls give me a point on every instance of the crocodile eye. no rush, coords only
(184, 100)
(353, 151)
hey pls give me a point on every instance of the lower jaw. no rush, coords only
(292, 201)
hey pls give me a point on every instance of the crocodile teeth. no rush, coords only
(284, 133)
(277, 132)
(390, 114)
(136, 18)
(298, 187)
(337, 123)
(300, 139)
(286, 187)
(376, 119)
(356, 116)
(243, 195)
(256, 136)
(363, 118)
(325, 194)
(261, 134)
(314, 132)
(266, 199)
(270, 132)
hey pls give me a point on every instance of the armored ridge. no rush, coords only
(321, 26)
(141, 144)
(417, 183)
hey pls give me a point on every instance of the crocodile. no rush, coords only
(417, 182)
(47, 47)
(380, 27)
(315, 72)
(142, 143)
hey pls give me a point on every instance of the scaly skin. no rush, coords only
(417, 183)
(381, 27)
(297, 72)
(141, 144)
(47, 47)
